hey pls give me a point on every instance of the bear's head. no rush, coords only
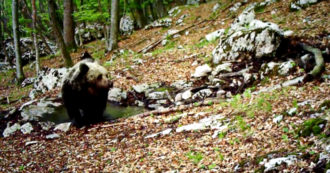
(89, 73)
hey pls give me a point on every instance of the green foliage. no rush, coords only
(241, 123)
(195, 157)
(259, 8)
(89, 12)
(213, 165)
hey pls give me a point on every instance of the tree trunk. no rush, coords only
(113, 42)
(159, 9)
(68, 25)
(35, 39)
(139, 17)
(41, 6)
(58, 34)
(19, 68)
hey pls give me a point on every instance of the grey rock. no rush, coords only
(235, 7)
(30, 143)
(216, 7)
(181, 84)
(174, 11)
(53, 136)
(115, 94)
(221, 93)
(214, 35)
(11, 129)
(164, 42)
(157, 95)
(162, 133)
(164, 22)
(286, 67)
(178, 97)
(140, 88)
(273, 163)
(278, 119)
(34, 113)
(202, 71)
(260, 39)
(50, 79)
(299, 4)
(202, 94)
(46, 125)
(225, 67)
(26, 128)
(126, 25)
(186, 95)
(64, 127)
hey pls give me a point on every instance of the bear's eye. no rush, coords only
(99, 77)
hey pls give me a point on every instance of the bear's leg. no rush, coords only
(75, 116)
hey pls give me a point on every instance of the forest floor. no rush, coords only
(124, 146)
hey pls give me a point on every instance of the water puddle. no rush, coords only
(111, 112)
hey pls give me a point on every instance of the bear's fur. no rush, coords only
(85, 91)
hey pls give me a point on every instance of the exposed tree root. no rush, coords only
(319, 60)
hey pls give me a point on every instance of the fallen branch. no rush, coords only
(206, 102)
(154, 44)
(238, 73)
(319, 60)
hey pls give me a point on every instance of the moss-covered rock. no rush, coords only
(314, 125)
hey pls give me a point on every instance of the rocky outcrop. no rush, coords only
(165, 22)
(248, 38)
(27, 49)
(126, 25)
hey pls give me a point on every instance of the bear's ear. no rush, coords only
(83, 69)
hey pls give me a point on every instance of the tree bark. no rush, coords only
(35, 39)
(139, 17)
(19, 68)
(68, 25)
(113, 42)
(159, 9)
(59, 38)
(41, 6)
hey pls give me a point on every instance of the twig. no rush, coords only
(154, 44)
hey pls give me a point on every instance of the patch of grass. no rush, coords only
(170, 45)
(259, 8)
(195, 157)
(241, 123)
(213, 165)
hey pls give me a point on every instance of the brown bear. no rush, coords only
(85, 91)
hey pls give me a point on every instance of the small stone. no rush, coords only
(26, 128)
(11, 129)
(46, 125)
(202, 71)
(178, 97)
(292, 111)
(63, 127)
(278, 119)
(140, 88)
(53, 136)
(186, 95)
(31, 143)
(225, 67)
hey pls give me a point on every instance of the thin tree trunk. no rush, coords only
(41, 6)
(59, 38)
(139, 17)
(19, 68)
(35, 39)
(68, 25)
(114, 25)
(159, 9)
